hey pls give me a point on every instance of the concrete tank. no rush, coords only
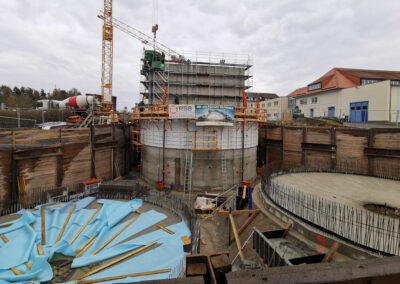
(207, 165)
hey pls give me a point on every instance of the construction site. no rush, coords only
(195, 185)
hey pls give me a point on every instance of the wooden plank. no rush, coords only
(4, 238)
(86, 247)
(165, 229)
(115, 235)
(40, 249)
(328, 257)
(65, 223)
(85, 244)
(84, 226)
(239, 246)
(186, 240)
(287, 229)
(94, 271)
(43, 219)
(125, 276)
(37, 156)
(16, 271)
(244, 226)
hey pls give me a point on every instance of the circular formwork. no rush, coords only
(178, 216)
(211, 169)
(341, 204)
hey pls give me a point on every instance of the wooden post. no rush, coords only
(94, 271)
(303, 152)
(288, 226)
(371, 135)
(65, 223)
(84, 226)
(244, 226)
(328, 257)
(125, 276)
(239, 246)
(116, 235)
(43, 214)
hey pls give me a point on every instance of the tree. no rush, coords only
(17, 91)
(42, 94)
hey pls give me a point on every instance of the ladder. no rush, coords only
(88, 120)
(187, 186)
(224, 174)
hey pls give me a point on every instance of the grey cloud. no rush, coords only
(49, 43)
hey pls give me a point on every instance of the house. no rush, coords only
(357, 95)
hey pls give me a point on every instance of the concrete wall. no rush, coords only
(207, 172)
(179, 135)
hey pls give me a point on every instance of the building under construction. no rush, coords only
(189, 154)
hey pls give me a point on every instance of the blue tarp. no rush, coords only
(24, 235)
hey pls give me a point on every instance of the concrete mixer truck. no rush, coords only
(81, 102)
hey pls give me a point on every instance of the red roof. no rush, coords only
(340, 78)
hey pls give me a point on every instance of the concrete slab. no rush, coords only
(354, 190)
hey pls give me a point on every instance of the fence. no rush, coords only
(170, 202)
(365, 228)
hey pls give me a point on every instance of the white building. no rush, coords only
(355, 94)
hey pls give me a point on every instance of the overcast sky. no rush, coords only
(58, 43)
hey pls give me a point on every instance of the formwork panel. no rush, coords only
(350, 150)
(103, 164)
(274, 133)
(76, 163)
(292, 160)
(292, 139)
(386, 139)
(386, 167)
(317, 160)
(318, 135)
(5, 174)
(39, 172)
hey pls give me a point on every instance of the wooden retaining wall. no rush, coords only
(365, 151)
(59, 157)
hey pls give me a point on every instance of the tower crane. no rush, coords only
(107, 57)
(142, 37)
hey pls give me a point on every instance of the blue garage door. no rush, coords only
(359, 112)
(331, 111)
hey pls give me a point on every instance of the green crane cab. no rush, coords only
(154, 60)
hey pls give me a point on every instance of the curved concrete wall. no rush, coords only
(207, 172)
(207, 165)
(178, 135)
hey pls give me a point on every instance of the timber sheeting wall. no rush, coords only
(60, 157)
(374, 152)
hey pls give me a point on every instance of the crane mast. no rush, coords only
(107, 57)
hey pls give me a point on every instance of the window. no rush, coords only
(269, 115)
(369, 81)
(303, 101)
(315, 86)
(263, 105)
(395, 83)
(275, 103)
(269, 104)
(314, 100)
(275, 114)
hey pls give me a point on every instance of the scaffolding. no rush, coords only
(210, 78)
